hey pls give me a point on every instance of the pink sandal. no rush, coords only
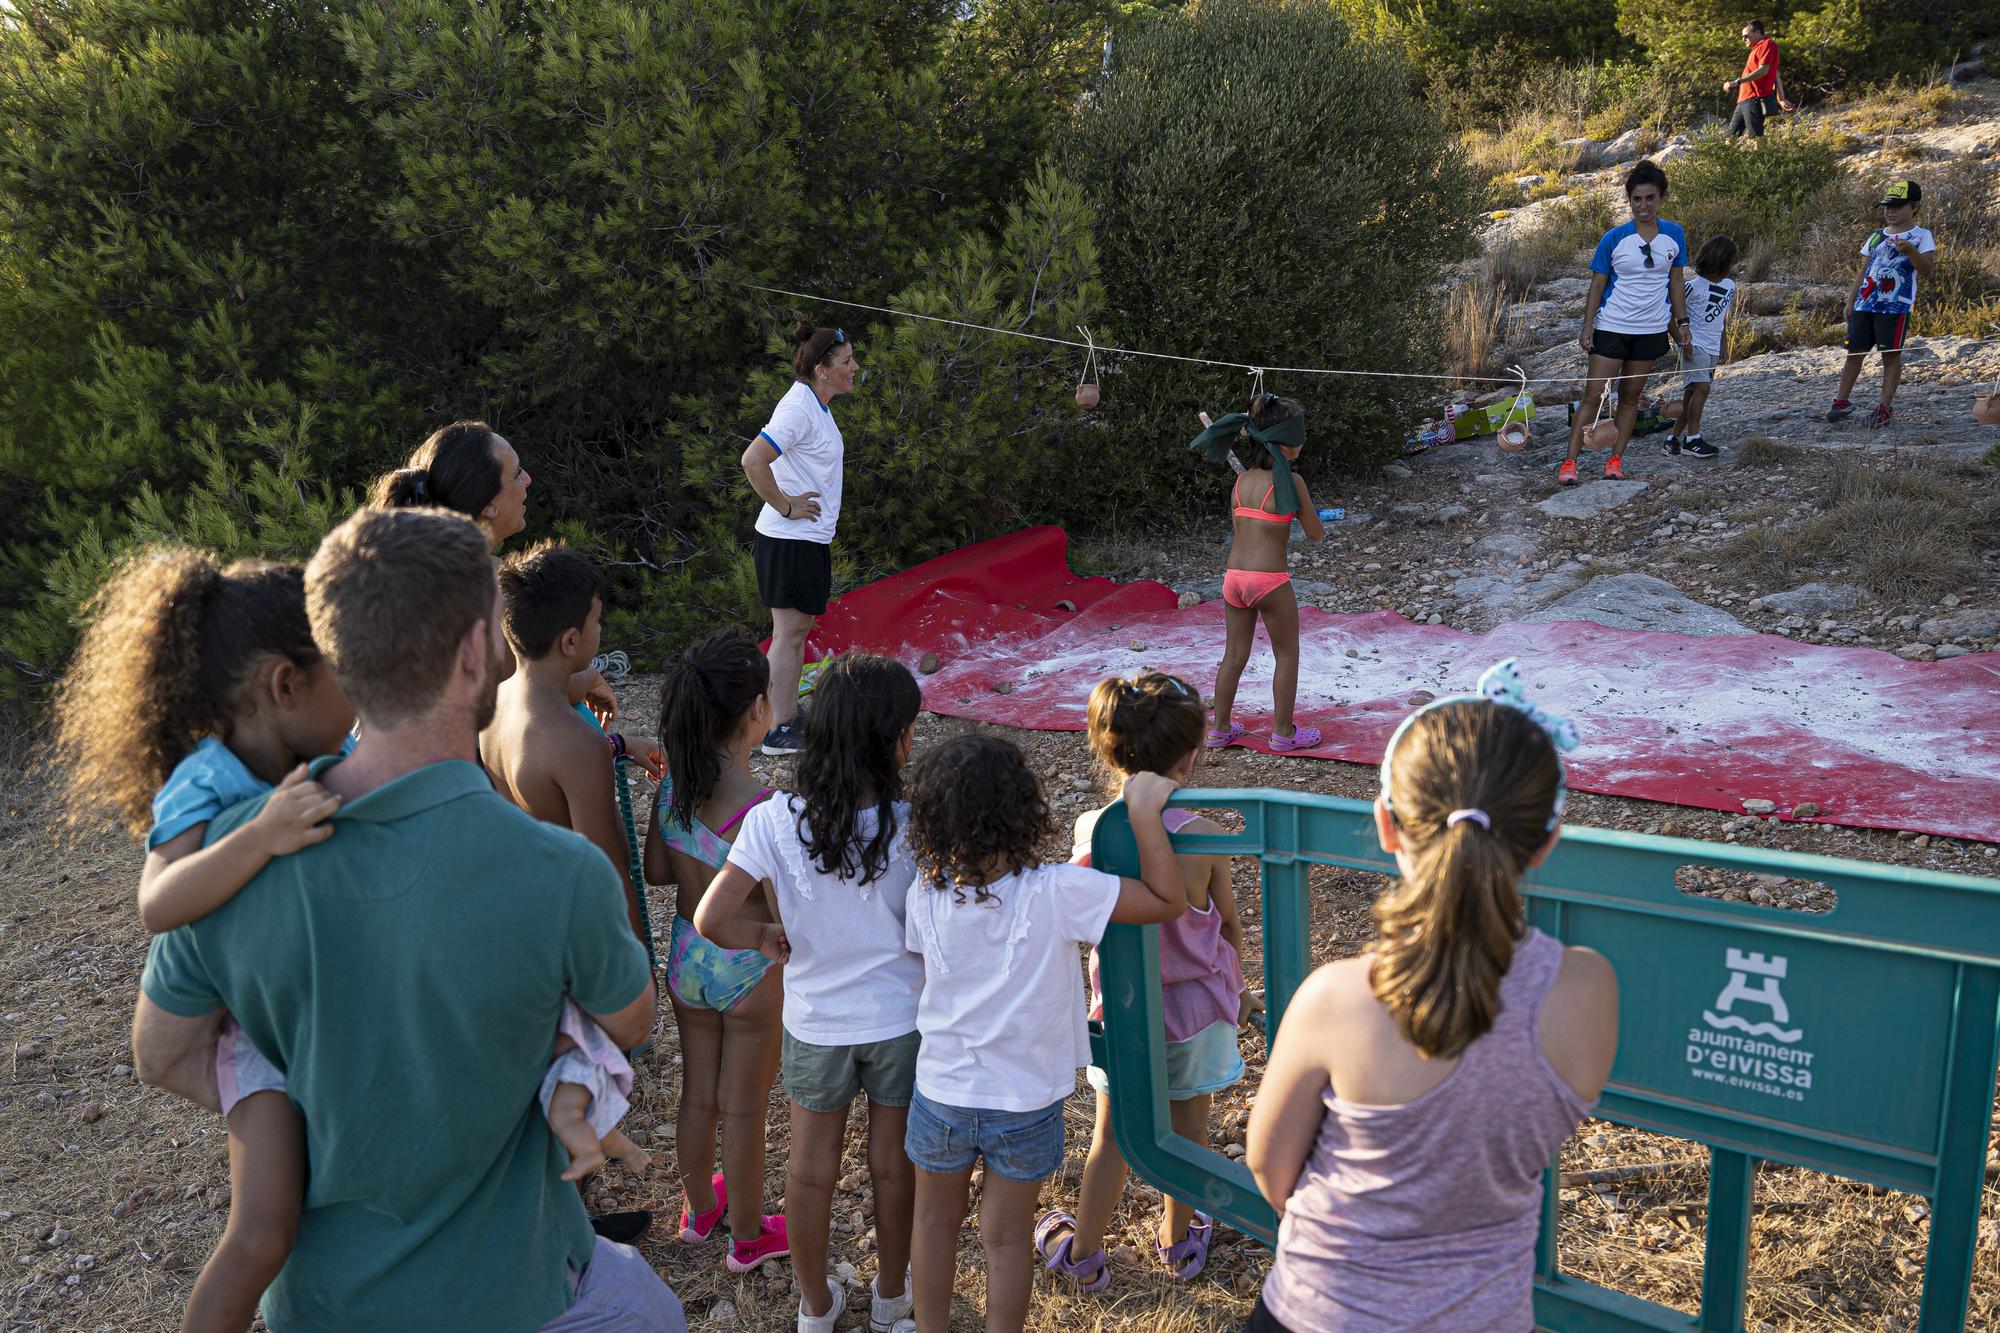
(1185, 1259)
(1091, 1273)
(1302, 738)
(1218, 739)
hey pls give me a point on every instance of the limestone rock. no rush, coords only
(1588, 501)
(1638, 602)
(1814, 599)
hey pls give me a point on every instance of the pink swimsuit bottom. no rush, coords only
(1244, 588)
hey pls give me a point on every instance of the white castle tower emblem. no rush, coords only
(1761, 994)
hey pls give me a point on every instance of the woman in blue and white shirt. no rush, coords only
(1635, 299)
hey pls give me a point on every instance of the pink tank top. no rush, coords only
(1201, 979)
(1424, 1216)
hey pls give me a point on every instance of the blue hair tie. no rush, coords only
(1500, 684)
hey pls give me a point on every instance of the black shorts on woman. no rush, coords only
(793, 575)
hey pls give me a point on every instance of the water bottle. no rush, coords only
(1332, 515)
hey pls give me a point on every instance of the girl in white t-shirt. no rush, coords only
(1153, 723)
(1001, 1015)
(840, 874)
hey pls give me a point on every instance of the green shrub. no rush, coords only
(1772, 193)
(1241, 216)
(255, 249)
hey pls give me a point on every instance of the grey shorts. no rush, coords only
(1698, 367)
(826, 1078)
(618, 1289)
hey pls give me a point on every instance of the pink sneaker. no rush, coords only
(771, 1243)
(695, 1230)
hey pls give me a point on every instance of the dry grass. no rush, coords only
(1474, 314)
(1901, 106)
(1763, 452)
(1901, 529)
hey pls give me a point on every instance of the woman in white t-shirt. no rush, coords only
(840, 875)
(1001, 1016)
(795, 465)
(1635, 300)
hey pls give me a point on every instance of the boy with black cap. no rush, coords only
(1879, 315)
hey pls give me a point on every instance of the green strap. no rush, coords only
(1214, 444)
(635, 864)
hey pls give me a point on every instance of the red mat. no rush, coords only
(1872, 740)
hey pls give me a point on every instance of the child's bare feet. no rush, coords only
(631, 1154)
(566, 1121)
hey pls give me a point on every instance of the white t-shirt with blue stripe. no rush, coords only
(810, 458)
(1636, 296)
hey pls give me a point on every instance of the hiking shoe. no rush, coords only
(1699, 447)
(1840, 410)
(1880, 416)
(1614, 468)
(771, 1243)
(1566, 474)
(1673, 445)
(785, 738)
(886, 1313)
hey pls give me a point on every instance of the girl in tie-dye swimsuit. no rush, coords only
(726, 1001)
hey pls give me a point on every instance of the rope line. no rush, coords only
(1094, 348)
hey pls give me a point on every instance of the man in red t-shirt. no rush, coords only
(1757, 91)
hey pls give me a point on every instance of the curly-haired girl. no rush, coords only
(1001, 1016)
(726, 1002)
(840, 872)
(1152, 723)
(195, 688)
(1415, 1094)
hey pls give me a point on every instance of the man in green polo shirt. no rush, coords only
(406, 976)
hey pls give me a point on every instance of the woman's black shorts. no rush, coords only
(1629, 346)
(793, 575)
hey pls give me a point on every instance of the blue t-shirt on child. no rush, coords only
(202, 786)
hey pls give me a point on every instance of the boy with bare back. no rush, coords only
(544, 757)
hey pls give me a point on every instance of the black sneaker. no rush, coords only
(622, 1228)
(1673, 446)
(1699, 447)
(1840, 410)
(783, 738)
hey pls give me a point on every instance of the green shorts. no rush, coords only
(826, 1078)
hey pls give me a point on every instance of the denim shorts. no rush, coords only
(1017, 1145)
(826, 1078)
(1207, 1062)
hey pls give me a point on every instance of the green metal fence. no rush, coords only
(1860, 1042)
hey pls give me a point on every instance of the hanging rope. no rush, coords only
(1092, 347)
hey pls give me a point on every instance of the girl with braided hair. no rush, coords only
(195, 688)
(1152, 723)
(1265, 499)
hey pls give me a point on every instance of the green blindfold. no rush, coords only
(1214, 443)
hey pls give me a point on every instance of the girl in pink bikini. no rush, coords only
(1265, 499)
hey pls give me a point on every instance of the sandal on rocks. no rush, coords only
(1302, 738)
(1092, 1273)
(1218, 739)
(1186, 1258)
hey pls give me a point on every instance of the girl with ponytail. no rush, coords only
(195, 688)
(1152, 723)
(725, 1001)
(1415, 1094)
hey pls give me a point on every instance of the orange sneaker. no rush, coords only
(1614, 468)
(1566, 475)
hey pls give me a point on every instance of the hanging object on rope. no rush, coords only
(1514, 432)
(1602, 432)
(1087, 392)
(1986, 407)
